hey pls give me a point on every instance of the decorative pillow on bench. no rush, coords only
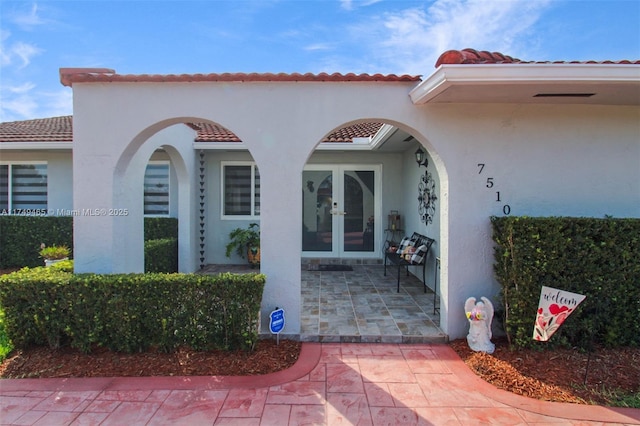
(406, 242)
(419, 255)
(409, 251)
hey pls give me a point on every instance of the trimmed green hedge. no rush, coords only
(599, 258)
(159, 228)
(161, 255)
(21, 236)
(132, 312)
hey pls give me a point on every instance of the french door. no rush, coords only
(340, 212)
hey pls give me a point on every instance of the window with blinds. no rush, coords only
(156, 189)
(241, 190)
(23, 187)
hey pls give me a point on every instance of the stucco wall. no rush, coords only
(544, 160)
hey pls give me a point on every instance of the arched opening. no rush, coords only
(178, 169)
(361, 189)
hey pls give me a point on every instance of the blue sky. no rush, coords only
(367, 36)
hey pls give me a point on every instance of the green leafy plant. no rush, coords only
(54, 252)
(244, 239)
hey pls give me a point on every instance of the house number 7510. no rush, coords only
(506, 209)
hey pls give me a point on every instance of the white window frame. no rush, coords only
(10, 208)
(253, 215)
(155, 163)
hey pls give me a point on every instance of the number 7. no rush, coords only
(481, 165)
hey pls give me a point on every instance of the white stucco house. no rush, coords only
(319, 160)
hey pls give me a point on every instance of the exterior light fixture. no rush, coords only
(421, 159)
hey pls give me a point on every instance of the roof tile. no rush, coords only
(55, 129)
(360, 130)
(68, 76)
(472, 56)
(60, 129)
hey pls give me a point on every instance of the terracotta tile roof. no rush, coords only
(361, 130)
(68, 76)
(472, 56)
(208, 132)
(60, 129)
(55, 129)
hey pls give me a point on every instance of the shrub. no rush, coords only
(599, 258)
(21, 236)
(132, 312)
(161, 255)
(158, 228)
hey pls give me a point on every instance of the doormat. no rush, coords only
(329, 267)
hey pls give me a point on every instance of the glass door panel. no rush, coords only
(339, 210)
(359, 208)
(317, 205)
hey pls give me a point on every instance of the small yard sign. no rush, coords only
(276, 323)
(553, 309)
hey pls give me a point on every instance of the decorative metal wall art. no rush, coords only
(426, 191)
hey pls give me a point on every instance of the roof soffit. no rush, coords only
(616, 84)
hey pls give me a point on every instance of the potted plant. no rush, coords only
(246, 242)
(54, 254)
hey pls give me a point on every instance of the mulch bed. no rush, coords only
(559, 375)
(66, 362)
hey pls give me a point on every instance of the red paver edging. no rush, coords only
(308, 359)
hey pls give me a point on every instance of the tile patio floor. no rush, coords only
(362, 305)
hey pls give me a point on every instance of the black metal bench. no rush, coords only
(406, 259)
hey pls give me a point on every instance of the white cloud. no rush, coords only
(29, 18)
(26, 102)
(346, 4)
(410, 40)
(24, 51)
(23, 88)
(5, 58)
(18, 107)
(349, 4)
(318, 46)
(18, 51)
(57, 103)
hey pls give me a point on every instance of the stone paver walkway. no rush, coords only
(331, 384)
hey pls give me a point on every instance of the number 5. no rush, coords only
(489, 182)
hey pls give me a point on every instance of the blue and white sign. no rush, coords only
(276, 324)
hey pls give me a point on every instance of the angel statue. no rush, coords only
(480, 316)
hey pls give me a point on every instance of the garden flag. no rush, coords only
(553, 309)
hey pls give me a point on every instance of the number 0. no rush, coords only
(506, 209)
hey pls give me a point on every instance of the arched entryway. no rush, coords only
(351, 186)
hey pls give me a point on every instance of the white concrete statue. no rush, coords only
(480, 316)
